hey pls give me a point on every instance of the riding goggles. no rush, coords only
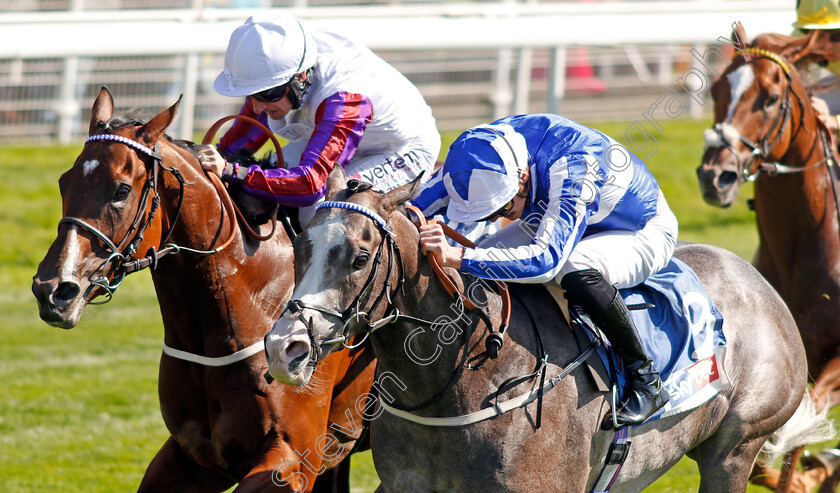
(272, 94)
(502, 212)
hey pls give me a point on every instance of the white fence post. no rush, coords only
(557, 79)
(523, 81)
(68, 106)
(501, 97)
(187, 106)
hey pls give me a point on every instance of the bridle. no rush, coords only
(121, 260)
(354, 313)
(760, 150)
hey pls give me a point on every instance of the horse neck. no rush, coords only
(208, 301)
(423, 359)
(791, 207)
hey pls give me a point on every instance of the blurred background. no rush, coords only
(472, 61)
(79, 409)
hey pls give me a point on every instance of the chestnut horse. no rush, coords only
(133, 189)
(767, 131)
(451, 430)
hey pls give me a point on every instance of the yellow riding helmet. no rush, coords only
(817, 14)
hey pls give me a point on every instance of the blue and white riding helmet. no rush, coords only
(265, 52)
(482, 171)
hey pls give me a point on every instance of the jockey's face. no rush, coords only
(276, 110)
(515, 211)
(520, 200)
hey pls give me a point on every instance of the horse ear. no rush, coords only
(399, 195)
(336, 182)
(151, 131)
(103, 110)
(739, 33)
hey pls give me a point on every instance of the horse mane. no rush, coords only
(135, 117)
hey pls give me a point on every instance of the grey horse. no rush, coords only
(343, 289)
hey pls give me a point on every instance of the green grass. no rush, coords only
(79, 409)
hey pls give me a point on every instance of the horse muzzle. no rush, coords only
(289, 351)
(59, 302)
(719, 179)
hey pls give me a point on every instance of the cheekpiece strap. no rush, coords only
(360, 209)
(123, 140)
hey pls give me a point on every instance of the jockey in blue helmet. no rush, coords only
(587, 215)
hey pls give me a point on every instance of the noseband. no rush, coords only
(119, 255)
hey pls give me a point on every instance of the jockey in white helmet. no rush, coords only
(336, 103)
(587, 215)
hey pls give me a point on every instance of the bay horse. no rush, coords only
(767, 131)
(446, 429)
(133, 189)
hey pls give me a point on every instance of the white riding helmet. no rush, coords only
(264, 53)
(482, 171)
(817, 14)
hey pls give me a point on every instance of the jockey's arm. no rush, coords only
(340, 123)
(552, 239)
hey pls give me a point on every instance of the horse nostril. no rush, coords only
(726, 179)
(295, 351)
(66, 291)
(42, 291)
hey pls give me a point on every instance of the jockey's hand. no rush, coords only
(823, 113)
(433, 240)
(210, 158)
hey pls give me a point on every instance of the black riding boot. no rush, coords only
(644, 395)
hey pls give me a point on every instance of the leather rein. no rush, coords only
(354, 314)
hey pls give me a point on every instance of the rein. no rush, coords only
(208, 138)
(353, 313)
(122, 254)
(494, 340)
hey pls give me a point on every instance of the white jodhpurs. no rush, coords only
(627, 258)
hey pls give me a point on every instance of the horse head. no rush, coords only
(347, 267)
(109, 200)
(761, 107)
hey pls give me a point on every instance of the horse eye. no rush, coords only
(360, 261)
(771, 100)
(122, 192)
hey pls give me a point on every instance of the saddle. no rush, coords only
(680, 328)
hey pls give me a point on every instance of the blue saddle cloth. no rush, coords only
(682, 333)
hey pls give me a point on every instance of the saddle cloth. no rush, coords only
(682, 333)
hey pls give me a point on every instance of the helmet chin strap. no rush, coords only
(298, 88)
